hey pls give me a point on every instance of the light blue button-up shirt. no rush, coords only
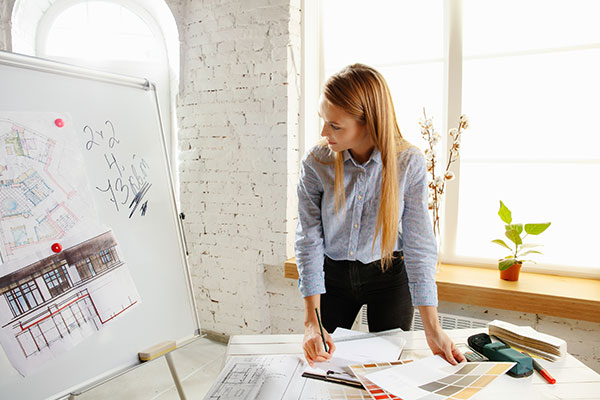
(348, 234)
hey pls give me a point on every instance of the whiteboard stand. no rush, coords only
(155, 257)
(181, 218)
(175, 376)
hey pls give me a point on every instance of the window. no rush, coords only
(122, 37)
(533, 97)
(403, 40)
(100, 30)
(527, 74)
(57, 280)
(90, 266)
(24, 297)
(105, 256)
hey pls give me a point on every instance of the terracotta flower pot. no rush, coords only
(512, 273)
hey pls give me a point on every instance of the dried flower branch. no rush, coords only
(437, 183)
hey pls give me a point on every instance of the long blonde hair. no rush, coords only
(363, 93)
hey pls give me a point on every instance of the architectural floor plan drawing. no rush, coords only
(62, 274)
(43, 188)
(275, 377)
(250, 378)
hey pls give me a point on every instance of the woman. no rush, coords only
(364, 234)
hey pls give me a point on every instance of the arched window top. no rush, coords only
(100, 30)
(131, 37)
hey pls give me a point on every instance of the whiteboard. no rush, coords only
(150, 240)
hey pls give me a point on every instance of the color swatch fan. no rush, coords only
(377, 393)
(433, 378)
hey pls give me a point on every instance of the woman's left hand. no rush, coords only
(441, 344)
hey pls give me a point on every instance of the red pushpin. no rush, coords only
(56, 247)
(59, 122)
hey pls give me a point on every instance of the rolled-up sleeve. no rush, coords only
(309, 246)
(419, 245)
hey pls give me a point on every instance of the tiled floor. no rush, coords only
(198, 364)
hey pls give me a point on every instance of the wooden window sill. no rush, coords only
(560, 296)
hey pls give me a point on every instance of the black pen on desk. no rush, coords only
(541, 370)
(321, 328)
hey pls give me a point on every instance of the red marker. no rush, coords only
(59, 122)
(56, 247)
(541, 370)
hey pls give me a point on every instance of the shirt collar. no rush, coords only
(375, 156)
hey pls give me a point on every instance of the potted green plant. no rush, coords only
(510, 266)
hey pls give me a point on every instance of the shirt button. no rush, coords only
(359, 197)
(356, 225)
(351, 252)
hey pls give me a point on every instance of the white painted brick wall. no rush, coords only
(238, 114)
(5, 14)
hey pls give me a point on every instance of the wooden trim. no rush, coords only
(560, 296)
(289, 269)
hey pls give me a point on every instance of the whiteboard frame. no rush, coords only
(53, 67)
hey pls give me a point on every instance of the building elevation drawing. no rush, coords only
(50, 301)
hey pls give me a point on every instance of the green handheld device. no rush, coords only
(499, 351)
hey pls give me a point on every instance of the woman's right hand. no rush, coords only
(314, 351)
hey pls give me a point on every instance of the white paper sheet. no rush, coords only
(354, 347)
(362, 347)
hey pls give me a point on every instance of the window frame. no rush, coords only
(106, 256)
(59, 278)
(170, 55)
(46, 21)
(13, 299)
(452, 109)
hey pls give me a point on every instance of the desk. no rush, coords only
(574, 379)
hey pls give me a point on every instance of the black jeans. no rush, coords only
(350, 284)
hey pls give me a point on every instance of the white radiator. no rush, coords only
(448, 321)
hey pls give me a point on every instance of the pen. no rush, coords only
(321, 328)
(542, 371)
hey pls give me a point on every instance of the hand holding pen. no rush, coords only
(321, 329)
(318, 345)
